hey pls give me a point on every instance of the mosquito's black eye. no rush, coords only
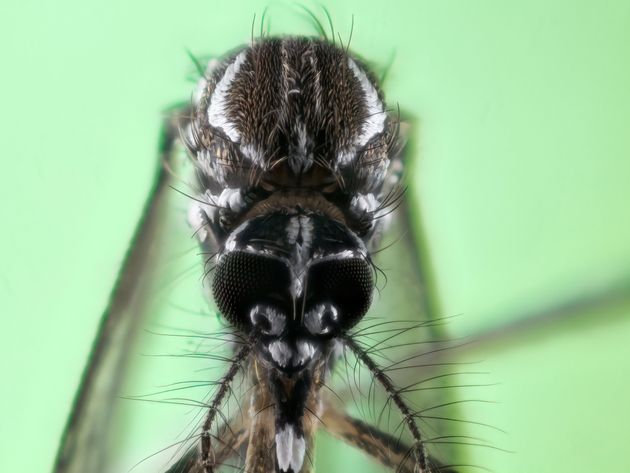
(346, 284)
(244, 280)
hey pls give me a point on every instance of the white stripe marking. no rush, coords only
(375, 120)
(217, 111)
(364, 203)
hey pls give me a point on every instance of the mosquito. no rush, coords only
(297, 162)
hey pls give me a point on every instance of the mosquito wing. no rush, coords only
(158, 273)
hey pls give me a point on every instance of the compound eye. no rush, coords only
(243, 281)
(343, 284)
(267, 319)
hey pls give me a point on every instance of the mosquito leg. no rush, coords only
(261, 454)
(260, 457)
(384, 447)
(422, 465)
(311, 422)
(231, 437)
(205, 461)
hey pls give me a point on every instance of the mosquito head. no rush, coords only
(297, 279)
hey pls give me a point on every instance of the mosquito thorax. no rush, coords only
(288, 122)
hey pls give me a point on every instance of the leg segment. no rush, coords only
(417, 451)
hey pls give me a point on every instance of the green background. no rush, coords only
(519, 189)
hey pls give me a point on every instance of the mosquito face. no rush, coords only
(296, 278)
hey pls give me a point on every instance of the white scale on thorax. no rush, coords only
(199, 212)
(231, 199)
(364, 204)
(217, 112)
(301, 159)
(374, 121)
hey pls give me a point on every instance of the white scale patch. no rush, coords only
(300, 226)
(280, 352)
(375, 120)
(290, 449)
(230, 244)
(231, 199)
(300, 160)
(217, 110)
(364, 203)
(199, 213)
(345, 157)
(276, 320)
(336, 352)
(307, 234)
(293, 228)
(252, 155)
(313, 320)
(305, 350)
